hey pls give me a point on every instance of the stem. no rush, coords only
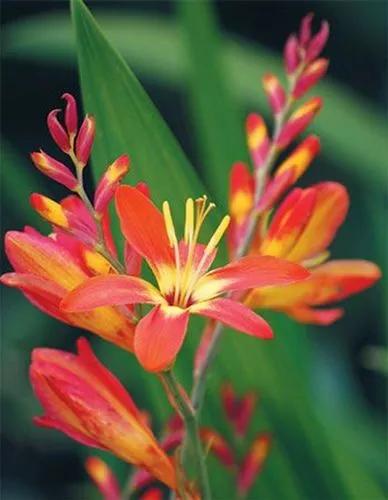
(198, 391)
(191, 425)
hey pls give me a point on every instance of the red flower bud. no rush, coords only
(310, 76)
(318, 42)
(71, 115)
(54, 169)
(291, 54)
(305, 29)
(85, 138)
(109, 181)
(275, 93)
(253, 463)
(57, 132)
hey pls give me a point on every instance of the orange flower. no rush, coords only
(184, 284)
(87, 402)
(301, 230)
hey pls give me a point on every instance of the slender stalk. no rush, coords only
(192, 432)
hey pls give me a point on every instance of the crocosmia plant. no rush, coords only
(139, 289)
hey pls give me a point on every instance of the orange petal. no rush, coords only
(159, 337)
(143, 227)
(235, 315)
(331, 206)
(248, 272)
(113, 289)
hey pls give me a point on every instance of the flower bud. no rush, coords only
(298, 121)
(85, 139)
(217, 445)
(239, 410)
(310, 76)
(299, 160)
(103, 478)
(57, 132)
(305, 29)
(109, 181)
(54, 169)
(84, 400)
(71, 114)
(291, 54)
(253, 463)
(49, 210)
(257, 136)
(275, 93)
(318, 42)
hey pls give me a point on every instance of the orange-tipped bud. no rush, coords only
(253, 463)
(109, 182)
(257, 137)
(300, 159)
(103, 478)
(58, 133)
(318, 42)
(298, 122)
(49, 210)
(85, 139)
(87, 402)
(310, 76)
(215, 443)
(71, 114)
(291, 54)
(54, 169)
(275, 93)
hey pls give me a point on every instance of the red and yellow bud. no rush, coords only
(310, 76)
(54, 169)
(215, 443)
(253, 463)
(300, 159)
(103, 477)
(275, 93)
(298, 121)
(85, 139)
(257, 137)
(58, 133)
(88, 403)
(291, 54)
(50, 210)
(239, 410)
(71, 114)
(110, 180)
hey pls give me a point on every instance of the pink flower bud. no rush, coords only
(275, 93)
(109, 181)
(318, 42)
(54, 169)
(310, 76)
(257, 138)
(71, 115)
(57, 132)
(291, 54)
(253, 463)
(305, 29)
(85, 138)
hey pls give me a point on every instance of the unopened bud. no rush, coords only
(57, 132)
(71, 114)
(109, 182)
(54, 169)
(85, 139)
(275, 93)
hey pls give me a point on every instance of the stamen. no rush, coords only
(169, 224)
(218, 234)
(189, 221)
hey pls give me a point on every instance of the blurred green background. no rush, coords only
(201, 64)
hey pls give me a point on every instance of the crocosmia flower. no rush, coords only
(301, 230)
(47, 268)
(85, 401)
(184, 285)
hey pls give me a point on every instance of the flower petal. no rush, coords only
(249, 272)
(143, 227)
(159, 336)
(331, 207)
(235, 315)
(110, 290)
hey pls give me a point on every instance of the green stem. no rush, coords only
(192, 432)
